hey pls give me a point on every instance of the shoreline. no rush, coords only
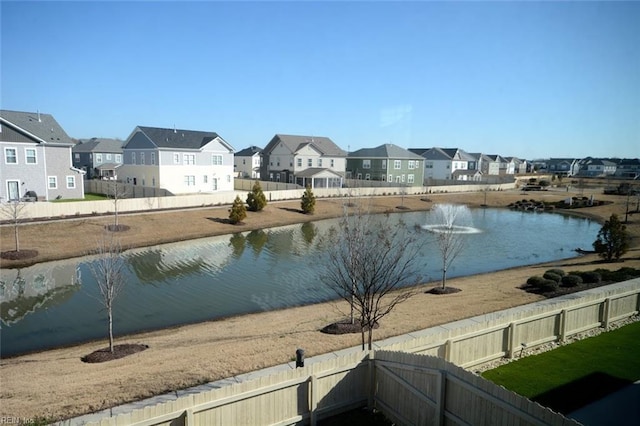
(56, 384)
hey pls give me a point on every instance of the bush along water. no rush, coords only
(556, 282)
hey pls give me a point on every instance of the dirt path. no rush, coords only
(57, 384)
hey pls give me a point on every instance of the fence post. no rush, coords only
(511, 350)
(441, 396)
(447, 350)
(188, 417)
(372, 380)
(313, 404)
(563, 326)
(606, 313)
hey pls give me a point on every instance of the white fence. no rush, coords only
(407, 386)
(48, 210)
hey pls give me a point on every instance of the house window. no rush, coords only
(397, 164)
(384, 178)
(189, 159)
(99, 158)
(319, 162)
(205, 179)
(359, 176)
(76, 156)
(332, 163)
(53, 182)
(278, 161)
(390, 178)
(133, 158)
(397, 179)
(366, 164)
(367, 177)
(411, 164)
(410, 179)
(216, 160)
(71, 182)
(108, 157)
(244, 161)
(402, 179)
(153, 182)
(299, 162)
(176, 158)
(118, 158)
(30, 154)
(384, 164)
(214, 181)
(142, 158)
(190, 180)
(428, 165)
(153, 158)
(228, 178)
(10, 156)
(310, 162)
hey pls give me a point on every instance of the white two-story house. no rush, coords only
(36, 159)
(447, 163)
(247, 163)
(179, 161)
(304, 160)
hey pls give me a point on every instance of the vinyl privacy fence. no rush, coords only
(413, 379)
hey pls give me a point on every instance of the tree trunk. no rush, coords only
(111, 330)
(444, 278)
(362, 335)
(15, 231)
(370, 337)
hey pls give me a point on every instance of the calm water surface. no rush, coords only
(44, 306)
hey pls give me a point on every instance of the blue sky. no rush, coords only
(525, 79)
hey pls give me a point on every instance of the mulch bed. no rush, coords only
(344, 327)
(440, 290)
(119, 351)
(117, 228)
(18, 255)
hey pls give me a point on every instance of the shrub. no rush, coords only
(571, 280)
(557, 272)
(548, 286)
(308, 202)
(238, 211)
(256, 198)
(552, 276)
(589, 277)
(535, 281)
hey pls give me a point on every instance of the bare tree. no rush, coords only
(107, 270)
(373, 265)
(13, 210)
(116, 191)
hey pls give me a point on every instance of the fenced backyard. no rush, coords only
(418, 378)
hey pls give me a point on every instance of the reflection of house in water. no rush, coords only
(174, 260)
(24, 291)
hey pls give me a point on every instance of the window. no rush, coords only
(189, 159)
(133, 158)
(214, 181)
(332, 163)
(428, 165)
(118, 158)
(176, 158)
(384, 164)
(411, 164)
(397, 164)
(205, 179)
(244, 161)
(190, 180)
(402, 179)
(299, 162)
(367, 177)
(390, 178)
(142, 158)
(108, 157)
(153, 158)
(30, 154)
(310, 162)
(71, 182)
(319, 162)
(216, 160)
(228, 178)
(397, 179)
(10, 156)
(76, 156)
(410, 178)
(53, 182)
(99, 158)
(366, 164)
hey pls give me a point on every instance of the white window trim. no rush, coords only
(217, 159)
(55, 182)
(26, 156)
(71, 179)
(397, 164)
(176, 158)
(6, 157)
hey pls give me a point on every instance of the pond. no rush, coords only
(45, 306)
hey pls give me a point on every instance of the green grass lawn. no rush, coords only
(87, 197)
(575, 375)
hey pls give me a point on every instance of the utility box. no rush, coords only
(299, 358)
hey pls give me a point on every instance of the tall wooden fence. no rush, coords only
(416, 378)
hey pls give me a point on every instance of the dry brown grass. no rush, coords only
(57, 383)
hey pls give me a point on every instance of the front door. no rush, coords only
(13, 193)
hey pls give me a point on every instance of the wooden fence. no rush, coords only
(413, 379)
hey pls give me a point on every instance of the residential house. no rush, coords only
(505, 166)
(36, 158)
(628, 168)
(386, 163)
(563, 166)
(247, 163)
(487, 165)
(519, 166)
(442, 163)
(179, 161)
(596, 167)
(304, 160)
(98, 157)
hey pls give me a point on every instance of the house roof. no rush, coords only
(108, 166)
(388, 150)
(294, 142)
(314, 171)
(180, 138)
(42, 126)
(99, 145)
(249, 152)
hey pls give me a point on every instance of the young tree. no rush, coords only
(13, 210)
(308, 203)
(612, 240)
(107, 270)
(256, 199)
(238, 211)
(116, 191)
(370, 258)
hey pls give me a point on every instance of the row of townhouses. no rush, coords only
(41, 160)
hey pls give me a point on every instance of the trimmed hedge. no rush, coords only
(557, 272)
(571, 280)
(552, 276)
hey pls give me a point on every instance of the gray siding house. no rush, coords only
(386, 163)
(36, 157)
(98, 157)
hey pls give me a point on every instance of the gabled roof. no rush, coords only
(293, 142)
(478, 156)
(388, 150)
(179, 138)
(43, 127)
(314, 171)
(249, 152)
(99, 145)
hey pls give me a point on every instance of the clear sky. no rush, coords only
(524, 79)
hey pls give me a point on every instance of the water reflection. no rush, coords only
(43, 306)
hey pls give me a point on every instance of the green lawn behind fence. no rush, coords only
(87, 197)
(575, 375)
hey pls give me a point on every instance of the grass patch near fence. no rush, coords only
(575, 375)
(87, 197)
